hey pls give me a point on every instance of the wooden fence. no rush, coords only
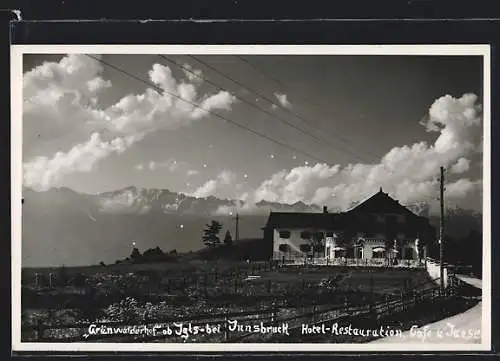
(268, 317)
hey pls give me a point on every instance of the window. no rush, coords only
(378, 252)
(284, 247)
(284, 234)
(329, 234)
(320, 235)
(305, 248)
(380, 218)
(305, 235)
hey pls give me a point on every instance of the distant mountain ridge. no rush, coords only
(62, 226)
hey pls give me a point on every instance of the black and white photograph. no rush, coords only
(253, 198)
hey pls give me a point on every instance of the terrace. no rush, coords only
(353, 262)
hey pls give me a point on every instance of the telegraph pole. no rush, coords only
(441, 231)
(237, 233)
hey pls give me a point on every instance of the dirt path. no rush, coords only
(476, 282)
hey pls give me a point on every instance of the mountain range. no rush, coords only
(63, 227)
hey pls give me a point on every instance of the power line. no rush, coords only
(160, 91)
(283, 86)
(228, 120)
(257, 107)
(277, 81)
(285, 109)
(441, 230)
(298, 116)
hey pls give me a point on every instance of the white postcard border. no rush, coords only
(17, 52)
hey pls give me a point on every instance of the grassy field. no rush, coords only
(126, 292)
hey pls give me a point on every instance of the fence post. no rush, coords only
(205, 281)
(226, 335)
(39, 329)
(273, 315)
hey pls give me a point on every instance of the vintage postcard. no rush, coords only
(251, 198)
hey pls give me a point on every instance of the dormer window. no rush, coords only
(285, 234)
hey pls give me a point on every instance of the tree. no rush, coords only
(153, 255)
(317, 242)
(228, 240)
(135, 255)
(211, 234)
(62, 276)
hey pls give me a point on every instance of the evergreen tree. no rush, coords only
(211, 234)
(62, 276)
(135, 255)
(228, 240)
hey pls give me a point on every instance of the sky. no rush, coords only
(331, 130)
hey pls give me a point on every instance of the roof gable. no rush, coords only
(380, 202)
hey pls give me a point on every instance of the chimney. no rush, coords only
(325, 209)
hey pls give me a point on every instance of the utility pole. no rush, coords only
(237, 233)
(441, 231)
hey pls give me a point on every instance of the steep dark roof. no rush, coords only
(381, 202)
(378, 203)
(299, 220)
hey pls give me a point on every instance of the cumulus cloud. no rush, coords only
(64, 96)
(282, 98)
(171, 165)
(408, 173)
(44, 172)
(59, 98)
(462, 187)
(213, 186)
(193, 75)
(462, 165)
